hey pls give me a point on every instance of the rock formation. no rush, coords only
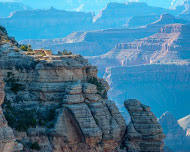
(144, 133)
(57, 103)
(65, 102)
(110, 17)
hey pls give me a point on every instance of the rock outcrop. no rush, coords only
(144, 133)
(57, 103)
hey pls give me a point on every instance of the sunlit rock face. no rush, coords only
(174, 133)
(185, 124)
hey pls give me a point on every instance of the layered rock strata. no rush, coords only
(169, 45)
(144, 133)
(98, 42)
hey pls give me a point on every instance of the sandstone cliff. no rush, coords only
(67, 111)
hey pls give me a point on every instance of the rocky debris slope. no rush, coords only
(7, 140)
(144, 133)
(174, 133)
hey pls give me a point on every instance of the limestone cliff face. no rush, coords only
(7, 140)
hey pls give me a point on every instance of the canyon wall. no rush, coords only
(8, 141)
(169, 82)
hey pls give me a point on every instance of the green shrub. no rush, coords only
(65, 52)
(3, 29)
(13, 83)
(34, 146)
(21, 118)
(100, 88)
(26, 48)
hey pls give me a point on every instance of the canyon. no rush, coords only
(57, 103)
(143, 55)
